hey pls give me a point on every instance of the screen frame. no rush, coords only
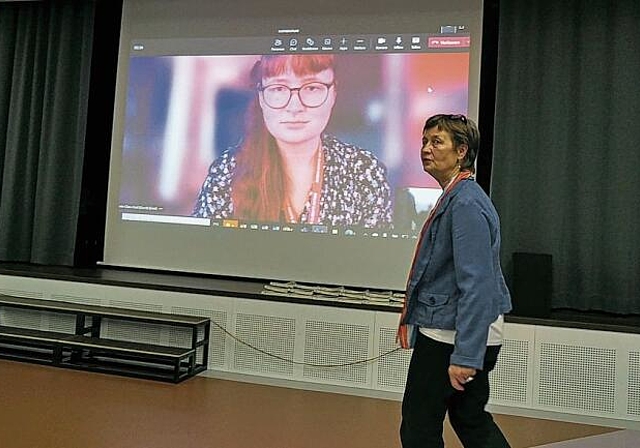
(337, 272)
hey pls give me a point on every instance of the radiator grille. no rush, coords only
(633, 402)
(133, 331)
(577, 378)
(328, 343)
(509, 379)
(273, 335)
(392, 368)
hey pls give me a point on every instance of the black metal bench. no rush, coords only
(85, 349)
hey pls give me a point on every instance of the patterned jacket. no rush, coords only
(355, 190)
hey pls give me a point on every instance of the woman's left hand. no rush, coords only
(459, 376)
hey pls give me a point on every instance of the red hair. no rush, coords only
(259, 182)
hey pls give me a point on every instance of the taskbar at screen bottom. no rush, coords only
(236, 224)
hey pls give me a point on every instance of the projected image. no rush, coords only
(325, 140)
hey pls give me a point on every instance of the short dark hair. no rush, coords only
(463, 131)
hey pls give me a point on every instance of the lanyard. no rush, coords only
(311, 210)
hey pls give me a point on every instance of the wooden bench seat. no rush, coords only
(28, 344)
(28, 334)
(129, 358)
(127, 347)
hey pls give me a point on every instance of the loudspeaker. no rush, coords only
(532, 284)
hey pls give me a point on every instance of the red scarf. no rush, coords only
(407, 332)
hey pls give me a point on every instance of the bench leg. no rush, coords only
(176, 370)
(57, 354)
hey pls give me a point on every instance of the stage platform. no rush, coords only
(253, 289)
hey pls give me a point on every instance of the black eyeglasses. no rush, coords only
(311, 94)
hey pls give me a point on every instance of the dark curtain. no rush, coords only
(45, 53)
(566, 152)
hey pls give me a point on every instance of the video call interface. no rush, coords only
(187, 102)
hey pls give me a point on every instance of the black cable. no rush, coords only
(264, 352)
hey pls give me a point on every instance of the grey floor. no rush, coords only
(618, 439)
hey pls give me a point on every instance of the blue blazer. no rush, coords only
(457, 282)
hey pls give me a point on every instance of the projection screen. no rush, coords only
(187, 108)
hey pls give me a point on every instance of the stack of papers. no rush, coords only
(336, 293)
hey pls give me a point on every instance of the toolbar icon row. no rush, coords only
(381, 42)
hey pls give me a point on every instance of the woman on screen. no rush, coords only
(288, 169)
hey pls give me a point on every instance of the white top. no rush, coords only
(449, 336)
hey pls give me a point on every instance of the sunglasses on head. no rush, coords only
(444, 117)
(455, 117)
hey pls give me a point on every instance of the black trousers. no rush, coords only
(429, 396)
